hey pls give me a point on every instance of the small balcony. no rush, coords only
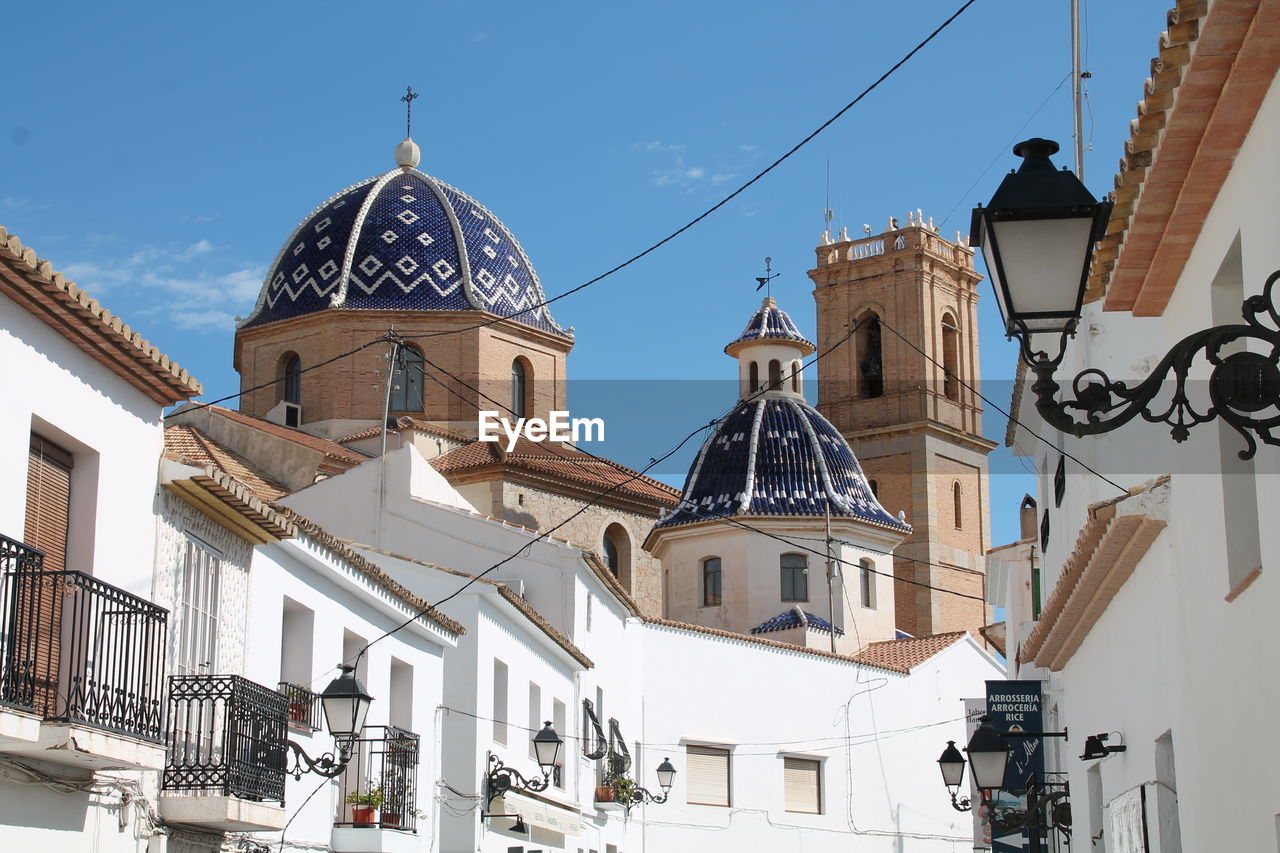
(379, 793)
(81, 666)
(227, 754)
(305, 713)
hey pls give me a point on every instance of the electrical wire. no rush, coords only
(1001, 410)
(298, 811)
(731, 196)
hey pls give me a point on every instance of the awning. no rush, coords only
(539, 813)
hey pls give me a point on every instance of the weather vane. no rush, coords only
(408, 98)
(769, 275)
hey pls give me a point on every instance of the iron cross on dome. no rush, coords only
(408, 97)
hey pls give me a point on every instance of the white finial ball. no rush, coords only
(407, 154)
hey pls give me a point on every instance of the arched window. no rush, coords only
(795, 577)
(775, 374)
(617, 552)
(875, 488)
(795, 376)
(867, 583)
(406, 381)
(754, 376)
(711, 580)
(870, 360)
(519, 389)
(291, 373)
(950, 357)
(955, 500)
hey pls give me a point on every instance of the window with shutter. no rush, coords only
(48, 515)
(802, 781)
(707, 769)
(197, 622)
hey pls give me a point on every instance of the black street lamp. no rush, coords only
(346, 703)
(501, 778)
(952, 765)
(666, 777)
(1037, 237)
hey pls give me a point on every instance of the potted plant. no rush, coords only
(624, 790)
(604, 793)
(363, 805)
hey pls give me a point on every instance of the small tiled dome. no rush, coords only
(770, 323)
(402, 241)
(778, 456)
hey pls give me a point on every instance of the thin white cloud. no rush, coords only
(10, 202)
(180, 285)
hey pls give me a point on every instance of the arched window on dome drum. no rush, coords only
(794, 570)
(519, 389)
(711, 582)
(950, 357)
(795, 376)
(875, 488)
(406, 381)
(955, 501)
(775, 374)
(870, 360)
(617, 552)
(754, 376)
(867, 583)
(291, 388)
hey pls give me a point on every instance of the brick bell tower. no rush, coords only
(917, 433)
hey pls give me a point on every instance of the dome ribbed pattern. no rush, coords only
(777, 456)
(771, 323)
(403, 241)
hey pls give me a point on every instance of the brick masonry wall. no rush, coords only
(641, 574)
(177, 519)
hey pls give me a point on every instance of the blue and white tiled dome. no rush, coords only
(770, 323)
(776, 455)
(402, 241)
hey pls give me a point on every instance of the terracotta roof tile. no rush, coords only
(39, 288)
(403, 424)
(331, 449)
(558, 462)
(188, 444)
(905, 655)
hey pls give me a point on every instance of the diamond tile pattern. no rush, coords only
(407, 255)
(306, 275)
(787, 476)
(791, 619)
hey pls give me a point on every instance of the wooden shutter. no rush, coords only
(707, 770)
(37, 631)
(801, 777)
(48, 502)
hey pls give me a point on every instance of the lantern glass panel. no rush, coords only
(1041, 269)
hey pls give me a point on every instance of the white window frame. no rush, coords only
(198, 616)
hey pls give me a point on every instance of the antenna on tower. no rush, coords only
(769, 275)
(827, 213)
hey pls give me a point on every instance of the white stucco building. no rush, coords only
(1156, 592)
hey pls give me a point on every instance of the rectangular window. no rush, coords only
(867, 584)
(297, 638)
(197, 622)
(802, 781)
(499, 701)
(400, 704)
(795, 577)
(711, 582)
(558, 721)
(48, 502)
(1060, 481)
(535, 716)
(707, 769)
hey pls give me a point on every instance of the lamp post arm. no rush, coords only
(502, 778)
(327, 765)
(1243, 386)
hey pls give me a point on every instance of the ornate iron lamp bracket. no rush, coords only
(960, 804)
(327, 765)
(502, 778)
(1243, 385)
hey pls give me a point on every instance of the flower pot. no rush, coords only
(298, 711)
(604, 793)
(390, 818)
(362, 815)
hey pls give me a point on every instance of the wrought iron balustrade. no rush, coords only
(304, 707)
(227, 736)
(76, 649)
(384, 763)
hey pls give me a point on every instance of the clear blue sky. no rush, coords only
(159, 154)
